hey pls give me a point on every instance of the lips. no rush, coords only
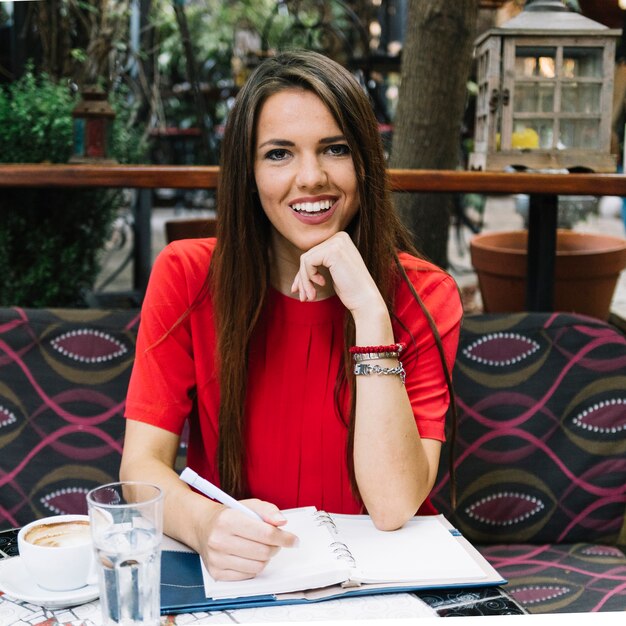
(314, 210)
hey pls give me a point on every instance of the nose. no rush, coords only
(311, 173)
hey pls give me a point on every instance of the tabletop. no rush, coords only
(395, 606)
(390, 606)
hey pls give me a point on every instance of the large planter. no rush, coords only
(587, 268)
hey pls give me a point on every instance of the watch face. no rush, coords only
(8, 542)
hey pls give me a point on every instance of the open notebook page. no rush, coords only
(422, 550)
(312, 564)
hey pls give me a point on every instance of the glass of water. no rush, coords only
(127, 529)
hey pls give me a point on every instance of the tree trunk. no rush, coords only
(436, 62)
(194, 81)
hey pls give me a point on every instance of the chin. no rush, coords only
(304, 245)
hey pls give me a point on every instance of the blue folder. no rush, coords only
(182, 588)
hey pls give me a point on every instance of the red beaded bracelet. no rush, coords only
(394, 347)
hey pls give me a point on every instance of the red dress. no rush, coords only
(296, 441)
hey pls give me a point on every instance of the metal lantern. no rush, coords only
(545, 89)
(93, 121)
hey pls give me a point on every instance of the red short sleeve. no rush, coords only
(165, 375)
(425, 380)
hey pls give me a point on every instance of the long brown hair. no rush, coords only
(240, 270)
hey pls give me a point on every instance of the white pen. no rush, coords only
(215, 493)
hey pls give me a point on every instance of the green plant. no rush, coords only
(50, 238)
(35, 121)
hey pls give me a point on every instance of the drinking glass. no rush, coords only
(127, 529)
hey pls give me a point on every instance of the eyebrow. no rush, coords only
(285, 143)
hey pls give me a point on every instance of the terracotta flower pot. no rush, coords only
(586, 271)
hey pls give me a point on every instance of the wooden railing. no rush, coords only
(542, 188)
(207, 177)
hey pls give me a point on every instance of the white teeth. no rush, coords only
(312, 207)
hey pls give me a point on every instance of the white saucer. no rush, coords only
(15, 582)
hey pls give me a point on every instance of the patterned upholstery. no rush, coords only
(541, 456)
(63, 380)
(562, 578)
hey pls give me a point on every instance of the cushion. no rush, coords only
(577, 578)
(63, 381)
(541, 448)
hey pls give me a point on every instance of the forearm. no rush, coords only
(232, 545)
(185, 512)
(392, 468)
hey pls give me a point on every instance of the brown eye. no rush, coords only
(339, 149)
(277, 154)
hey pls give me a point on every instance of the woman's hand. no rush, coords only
(337, 259)
(232, 545)
(239, 547)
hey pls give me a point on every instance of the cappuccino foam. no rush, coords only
(59, 534)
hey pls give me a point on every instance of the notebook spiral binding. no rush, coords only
(324, 519)
(338, 547)
(343, 552)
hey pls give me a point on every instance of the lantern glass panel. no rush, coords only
(534, 133)
(584, 62)
(481, 100)
(580, 97)
(533, 98)
(482, 127)
(582, 134)
(483, 63)
(535, 62)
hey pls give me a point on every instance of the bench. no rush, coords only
(540, 458)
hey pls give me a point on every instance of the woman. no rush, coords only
(281, 343)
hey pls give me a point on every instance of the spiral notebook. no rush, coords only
(337, 555)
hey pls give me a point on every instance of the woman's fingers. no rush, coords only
(231, 567)
(268, 511)
(315, 268)
(296, 287)
(338, 260)
(241, 557)
(302, 284)
(240, 547)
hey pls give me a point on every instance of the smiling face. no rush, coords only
(304, 173)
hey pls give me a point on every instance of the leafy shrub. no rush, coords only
(49, 243)
(50, 238)
(35, 121)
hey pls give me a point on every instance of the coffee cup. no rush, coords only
(57, 552)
